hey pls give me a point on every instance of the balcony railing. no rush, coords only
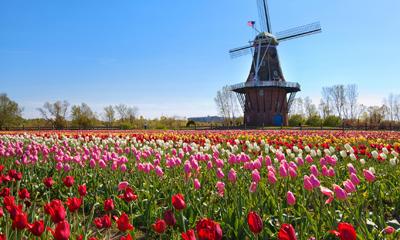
(255, 84)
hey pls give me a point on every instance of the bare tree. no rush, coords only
(55, 113)
(326, 102)
(227, 104)
(391, 103)
(396, 111)
(132, 113)
(309, 107)
(122, 111)
(351, 101)
(297, 107)
(9, 111)
(126, 112)
(109, 115)
(338, 97)
(324, 109)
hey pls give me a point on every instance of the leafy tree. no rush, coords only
(10, 112)
(82, 116)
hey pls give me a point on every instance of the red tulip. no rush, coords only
(108, 205)
(1, 212)
(15, 175)
(207, 229)
(103, 222)
(189, 235)
(287, 232)
(68, 181)
(24, 194)
(178, 201)
(74, 204)
(48, 182)
(345, 231)
(159, 226)
(3, 237)
(56, 210)
(123, 223)
(169, 218)
(20, 221)
(37, 228)
(82, 190)
(5, 192)
(129, 195)
(62, 231)
(127, 237)
(255, 222)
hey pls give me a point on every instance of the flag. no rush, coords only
(251, 23)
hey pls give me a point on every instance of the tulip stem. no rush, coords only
(183, 221)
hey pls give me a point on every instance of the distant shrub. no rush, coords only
(296, 120)
(314, 121)
(332, 121)
(190, 123)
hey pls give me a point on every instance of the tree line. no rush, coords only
(61, 115)
(339, 106)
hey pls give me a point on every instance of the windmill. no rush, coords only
(264, 96)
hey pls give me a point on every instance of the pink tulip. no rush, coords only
(290, 198)
(255, 176)
(220, 173)
(253, 187)
(369, 176)
(300, 161)
(314, 181)
(314, 170)
(324, 171)
(271, 177)
(159, 171)
(349, 186)
(389, 230)
(292, 172)
(307, 183)
(268, 161)
(351, 168)
(221, 188)
(232, 175)
(283, 171)
(123, 168)
(196, 184)
(327, 192)
(331, 172)
(354, 179)
(340, 193)
(309, 159)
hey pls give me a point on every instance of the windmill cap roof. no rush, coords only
(264, 35)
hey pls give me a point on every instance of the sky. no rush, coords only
(171, 57)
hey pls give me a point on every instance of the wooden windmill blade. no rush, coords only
(263, 13)
(297, 32)
(241, 51)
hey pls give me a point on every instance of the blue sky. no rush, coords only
(170, 57)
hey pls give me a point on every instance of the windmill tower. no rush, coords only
(264, 96)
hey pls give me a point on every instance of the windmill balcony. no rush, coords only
(288, 86)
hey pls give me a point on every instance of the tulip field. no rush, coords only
(204, 185)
